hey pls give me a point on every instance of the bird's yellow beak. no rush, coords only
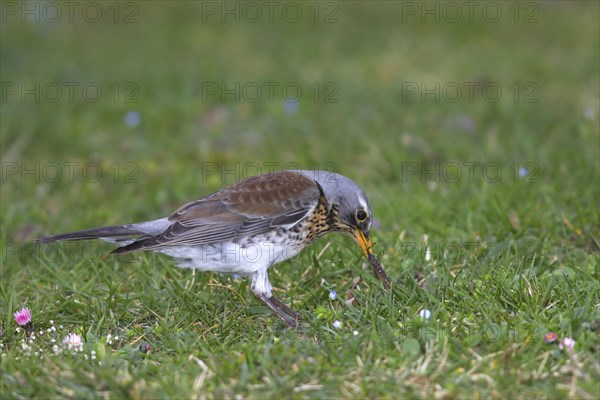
(365, 244)
(363, 241)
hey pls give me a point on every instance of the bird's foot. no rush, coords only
(289, 316)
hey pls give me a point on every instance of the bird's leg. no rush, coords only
(263, 290)
(285, 308)
(288, 316)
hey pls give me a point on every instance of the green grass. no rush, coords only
(509, 260)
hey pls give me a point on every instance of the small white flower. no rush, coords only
(337, 324)
(51, 322)
(73, 342)
(332, 295)
(567, 343)
(425, 314)
(355, 333)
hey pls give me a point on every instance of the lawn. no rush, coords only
(474, 128)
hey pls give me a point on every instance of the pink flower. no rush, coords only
(550, 337)
(23, 316)
(144, 347)
(567, 343)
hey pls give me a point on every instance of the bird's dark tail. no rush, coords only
(122, 235)
(106, 232)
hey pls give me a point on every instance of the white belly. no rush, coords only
(231, 257)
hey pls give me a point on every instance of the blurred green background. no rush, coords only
(468, 122)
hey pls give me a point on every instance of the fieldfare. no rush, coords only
(250, 226)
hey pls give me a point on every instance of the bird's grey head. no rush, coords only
(354, 216)
(354, 207)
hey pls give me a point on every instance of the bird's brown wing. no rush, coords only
(250, 207)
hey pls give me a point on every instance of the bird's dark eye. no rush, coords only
(361, 215)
